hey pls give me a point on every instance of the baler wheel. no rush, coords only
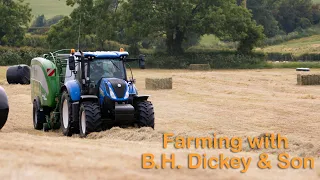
(38, 117)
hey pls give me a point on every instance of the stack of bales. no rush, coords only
(308, 79)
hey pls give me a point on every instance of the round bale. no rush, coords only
(200, 67)
(158, 83)
(4, 107)
(19, 74)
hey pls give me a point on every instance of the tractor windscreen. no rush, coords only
(106, 68)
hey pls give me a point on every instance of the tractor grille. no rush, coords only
(120, 92)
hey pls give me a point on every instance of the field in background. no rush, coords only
(311, 44)
(297, 46)
(49, 8)
(226, 102)
(292, 65)
(2, 73)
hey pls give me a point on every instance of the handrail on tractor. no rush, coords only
(55, 54)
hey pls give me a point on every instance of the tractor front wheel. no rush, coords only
(65, 114)
(38, 117)
(145, 114)
(90, 118)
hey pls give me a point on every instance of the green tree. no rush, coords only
(295, 14)
(14, 19)
(40, 21)
(177, 19)
(264, 12)
(53, 20)
(63, 34)
(93, 20)
(316, 13)
(70, 31)
(105, 21)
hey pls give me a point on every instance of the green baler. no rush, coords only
(47, 76)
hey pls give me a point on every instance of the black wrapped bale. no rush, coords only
(4, 107)
(19, 74)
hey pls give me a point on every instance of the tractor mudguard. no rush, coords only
(140, 98)
(76, 105)
(89, 98)
(74, 90)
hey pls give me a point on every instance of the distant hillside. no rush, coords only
(297, 46)
(49, 8)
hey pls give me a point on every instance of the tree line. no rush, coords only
(166, 25)
(280, 17)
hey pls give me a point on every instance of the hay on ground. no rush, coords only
(202, 67)
(310, 79)
(156, 83)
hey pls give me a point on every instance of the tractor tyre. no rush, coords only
(89, 118)
(66, 114)
(145, 114)
(38, 117)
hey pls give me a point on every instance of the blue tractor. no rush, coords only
(85, 92)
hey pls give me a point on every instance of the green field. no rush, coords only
(297, 46)
(49, 8)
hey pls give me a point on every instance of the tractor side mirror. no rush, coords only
(142, 62)
(72, 63)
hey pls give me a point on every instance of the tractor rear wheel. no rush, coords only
(66, 114)
(90, 118)
(38, 117)
(145, 114)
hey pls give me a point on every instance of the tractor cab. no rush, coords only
(106, 68)
(98, 69)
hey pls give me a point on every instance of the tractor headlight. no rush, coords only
(127, 94)
(113, 96)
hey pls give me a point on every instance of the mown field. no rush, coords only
(49, 8)
(297, 46)
(226, 102)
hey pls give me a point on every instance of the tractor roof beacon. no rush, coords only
(85, 92)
